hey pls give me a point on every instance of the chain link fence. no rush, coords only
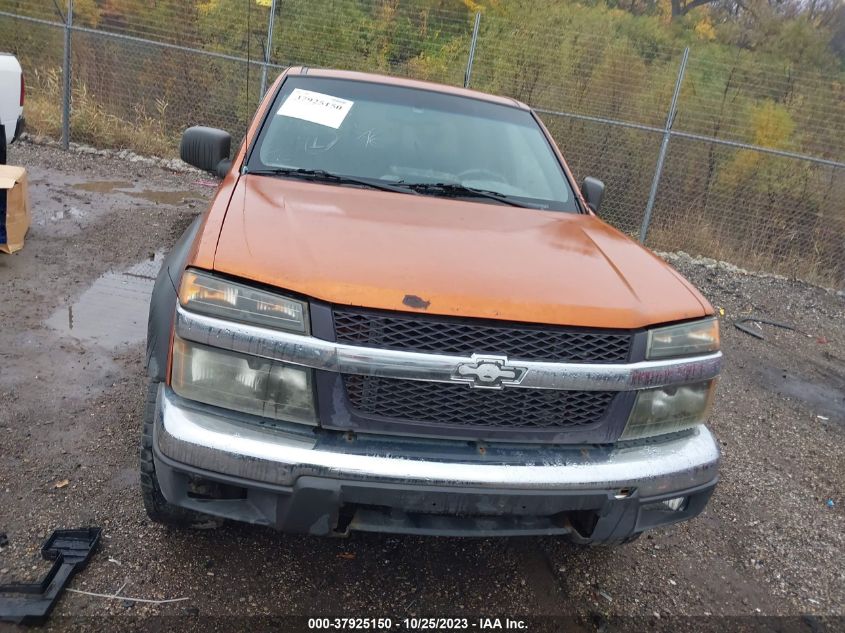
(702, 150)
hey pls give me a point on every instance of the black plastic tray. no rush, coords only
(31, 603)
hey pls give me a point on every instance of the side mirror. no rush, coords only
(207, 148)
(593, 191)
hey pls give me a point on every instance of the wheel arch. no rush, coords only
(163, 302)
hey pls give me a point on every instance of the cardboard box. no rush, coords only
(14, 208)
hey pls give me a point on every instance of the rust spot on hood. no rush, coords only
(413, 301)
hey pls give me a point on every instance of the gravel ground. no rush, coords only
(769, 543)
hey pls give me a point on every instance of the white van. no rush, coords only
(12, 93)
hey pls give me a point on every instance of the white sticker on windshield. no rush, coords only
(316, 108)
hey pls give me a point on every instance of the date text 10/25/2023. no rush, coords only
(418, 624)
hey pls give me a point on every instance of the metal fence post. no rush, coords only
(667, 133)
(66, 77)
(267, 48)
(472, 46)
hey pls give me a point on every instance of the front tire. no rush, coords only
(157, 507)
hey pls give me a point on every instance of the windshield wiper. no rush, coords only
(456, 189)
(320, 175)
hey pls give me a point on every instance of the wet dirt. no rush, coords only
(113, 310)
(103, 186)
(70, 408)
(824, 393)
(127, 188)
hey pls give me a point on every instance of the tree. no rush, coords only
(682, 7)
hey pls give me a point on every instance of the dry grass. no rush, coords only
(92, 123)
(699, 238)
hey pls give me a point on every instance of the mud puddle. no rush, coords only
(825, 396)
(104, 186)
(126, 188)
(113, 311)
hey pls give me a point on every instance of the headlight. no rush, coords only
(686, 339)
(669, 409)
(244, 383)
(219, 297)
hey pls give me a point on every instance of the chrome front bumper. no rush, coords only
(214, 442)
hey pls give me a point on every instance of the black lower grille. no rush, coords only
(444, 335)
(461, 406)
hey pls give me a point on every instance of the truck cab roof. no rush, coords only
(406, 83)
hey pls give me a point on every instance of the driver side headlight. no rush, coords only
(237, 381)
(240, 382)
(219, 297)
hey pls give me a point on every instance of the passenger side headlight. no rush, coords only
(686, 339)
(669, 409)
(250, 384)
(215, 296)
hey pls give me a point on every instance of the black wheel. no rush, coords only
(158, 509)
(2, 144)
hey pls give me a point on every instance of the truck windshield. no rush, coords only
(409, 140)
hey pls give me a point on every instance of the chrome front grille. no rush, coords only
(454, 406)
(444, 335)
(458, 406)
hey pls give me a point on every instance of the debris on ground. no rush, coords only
(31, 603)
(16, 216)
(740, 325)
(126, 599)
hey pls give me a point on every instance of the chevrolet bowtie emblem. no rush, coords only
(489, 372)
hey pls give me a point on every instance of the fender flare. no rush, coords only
(163, 302)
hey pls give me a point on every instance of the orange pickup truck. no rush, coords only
(400, 314)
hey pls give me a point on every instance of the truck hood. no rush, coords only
(393, 251)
